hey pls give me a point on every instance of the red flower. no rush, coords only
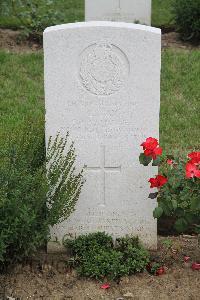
(192, 170)
(151, 147)
(194, 157)
(105, 286)
(160, 271)
(158, 181)
(150, 143)
(186, 258)
(196, 266)
(170, 162)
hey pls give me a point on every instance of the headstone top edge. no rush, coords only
(103, 24)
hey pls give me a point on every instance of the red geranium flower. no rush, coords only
(194, 157)
(151, 147)
(186, 258)
(158, 181)
(160, 271)
(192, 170)
(196, 266)
(105, 286)
(170, 162)
(150, 143)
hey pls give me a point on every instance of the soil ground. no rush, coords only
(10, 41)
(47, 277)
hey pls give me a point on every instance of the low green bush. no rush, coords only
(84, 243)
(25, 186)
(96, 256)
(187, 19)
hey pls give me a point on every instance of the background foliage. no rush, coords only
(187, 19)
(69, 11)
(33, 16)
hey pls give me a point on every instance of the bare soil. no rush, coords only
(47, 277)
(11, 41)
(171, 40)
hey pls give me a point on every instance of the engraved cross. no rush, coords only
(103, 169)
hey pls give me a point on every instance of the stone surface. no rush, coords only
(131, 11)
(102, 84)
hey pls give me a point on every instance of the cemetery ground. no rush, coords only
(48, 277)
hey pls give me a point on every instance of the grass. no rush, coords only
(180, 100)
(22, 97)
(74, 11)
(21, 94)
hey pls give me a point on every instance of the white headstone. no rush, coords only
(102, 84)
(131, 11)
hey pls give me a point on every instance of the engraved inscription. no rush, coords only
(104, 68)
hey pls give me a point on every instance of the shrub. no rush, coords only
(24, 215)
(33, 15)
(187, 19)
(84, 243)
(96, 256)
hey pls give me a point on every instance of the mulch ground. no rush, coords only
(47, 277)
(10, 40)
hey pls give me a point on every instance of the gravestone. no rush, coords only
(131, 11)
(102, 84)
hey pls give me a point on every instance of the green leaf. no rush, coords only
(156, 161)
(174, 204)
(181, 225)
(191, 218)
(195, 203)
(197, 230)
(144, 160)
(180, 212)
(157, 213)
(166, 209)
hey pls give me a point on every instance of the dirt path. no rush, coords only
(10, 41)
(55, 282)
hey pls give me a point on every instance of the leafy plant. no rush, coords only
(84, 243)
(187, 19)
(180, 197)
(96, 256)
(33, 15)
(24, 215)
(178, 188)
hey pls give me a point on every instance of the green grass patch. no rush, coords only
(180, 100)
(22, 96)
(74, 11)
(21, 93)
